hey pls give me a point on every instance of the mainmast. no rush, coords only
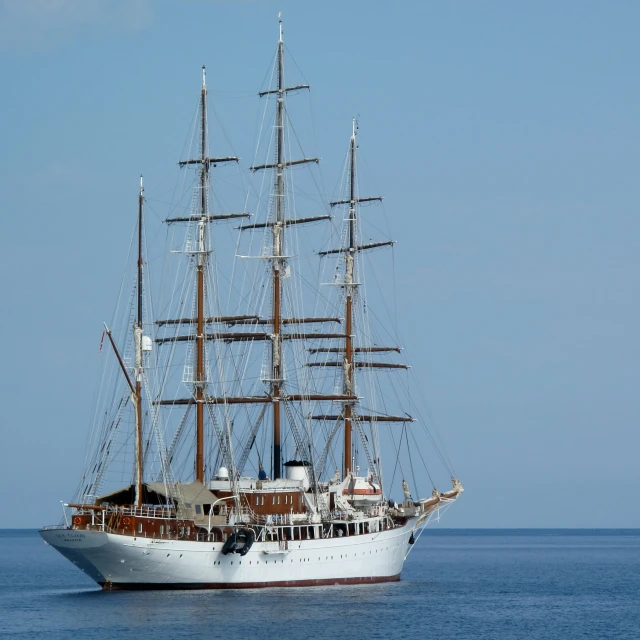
(201, 256)
(277, 258)
(277, 263)
(138, 356)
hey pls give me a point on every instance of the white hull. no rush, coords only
(124, 562)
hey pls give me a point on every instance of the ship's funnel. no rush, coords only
(298, 470)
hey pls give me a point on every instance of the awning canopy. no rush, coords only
(160, 494)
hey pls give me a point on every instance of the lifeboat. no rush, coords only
(239, 542)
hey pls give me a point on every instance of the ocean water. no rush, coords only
(463, 584)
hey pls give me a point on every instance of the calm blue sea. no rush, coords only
(462, 584)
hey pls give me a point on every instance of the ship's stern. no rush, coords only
(79, 547)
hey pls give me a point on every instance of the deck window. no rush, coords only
(199, 509)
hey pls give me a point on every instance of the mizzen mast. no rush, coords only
(138, 357)
(200, 268)
(136, 389)
(201, 255)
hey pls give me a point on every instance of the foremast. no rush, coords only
(350, 417)
(349, 284)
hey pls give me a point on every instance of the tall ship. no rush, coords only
(250, 429)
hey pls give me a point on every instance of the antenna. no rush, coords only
(204, 76)
(280, 23)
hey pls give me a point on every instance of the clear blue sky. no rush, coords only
(505, 137)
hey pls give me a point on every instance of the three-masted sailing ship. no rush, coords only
(187, 515)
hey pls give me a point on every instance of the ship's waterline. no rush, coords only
(121, 562)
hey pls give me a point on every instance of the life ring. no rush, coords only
(77, 520)
(125, 520)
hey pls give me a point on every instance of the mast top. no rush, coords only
(280, 24)
(204, 77)
(141, 185)
(354, 128)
